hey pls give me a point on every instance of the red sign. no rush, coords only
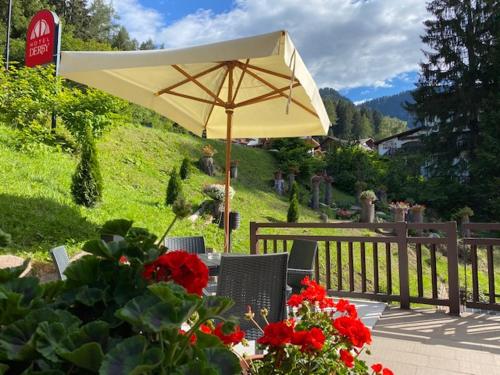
(41, 38)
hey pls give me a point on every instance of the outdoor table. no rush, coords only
(212, 261)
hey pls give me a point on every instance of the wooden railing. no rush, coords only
(384, 244)
(472, 247)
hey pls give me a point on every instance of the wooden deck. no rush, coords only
(429, 342)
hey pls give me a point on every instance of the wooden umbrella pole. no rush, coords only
(227, 206)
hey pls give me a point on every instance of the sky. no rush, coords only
(363, 48)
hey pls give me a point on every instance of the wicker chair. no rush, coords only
(300, 263)
(193, 245)
(61, 260)
(258, 281)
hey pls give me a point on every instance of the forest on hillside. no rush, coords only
(351, 122)
(393, 106)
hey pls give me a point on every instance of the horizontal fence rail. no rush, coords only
(377, 264)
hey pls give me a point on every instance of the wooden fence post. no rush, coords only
(404, 285)
(453, 280)
(253, 238)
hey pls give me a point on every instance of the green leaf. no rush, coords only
(98, 248)
(214, 306)
(83, 271)
(131, 357)
(89, 356)
(223, 360)
(89, 296)
(49, 335)
(118, 226)
(16, 341)
(52, 289)
(7, 274)
(27, 286)
(133, 311)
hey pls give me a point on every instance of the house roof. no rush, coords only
(400, 135)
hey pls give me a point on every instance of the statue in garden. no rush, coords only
(315, 183)
(279, 183)
(207, 164)
(367, 198)
(328, 189)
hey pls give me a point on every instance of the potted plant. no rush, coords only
(417, 213)
(463, 215)
(234, 169)
(399, 210)
(207, 162)
(217, 193)
(127, 308)
(359, 186)
(319, 336)
(367, 198)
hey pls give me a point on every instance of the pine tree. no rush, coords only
(294, 191)
(174, 188)
(452, 85)
(86, 186)
(293, 210)
(184, 170)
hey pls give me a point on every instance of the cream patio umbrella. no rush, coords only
(256, 87)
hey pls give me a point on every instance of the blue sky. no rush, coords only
(363, 48)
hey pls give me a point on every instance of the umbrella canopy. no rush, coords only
(244, 88)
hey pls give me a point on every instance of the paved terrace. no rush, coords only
(430, 342)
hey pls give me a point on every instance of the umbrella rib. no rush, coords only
(193, 98)
(197, 83)
(243, 70)
(267, 96)
(281, 93)
(264, 70)
(183, 82)
(218, 93)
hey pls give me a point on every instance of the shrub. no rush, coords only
(174, 187)
(86, 186)
(218, 191)
(294, 190)
(184, 170)
(464, 211)
(5, 239)
(293, 210)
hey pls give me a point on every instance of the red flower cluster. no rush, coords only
(343, 305)
(233, 338)
(279, 334)
(181, 267)
(354, 330)
(192, 339)
(309, 341)
(347, 358)
(379, 369)
(313, 293)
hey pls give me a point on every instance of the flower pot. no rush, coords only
(233, 171)
(399, 214)
(367, 211)
(234, 221)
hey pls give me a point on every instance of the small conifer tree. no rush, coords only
(293, 210)
(174, 187)
(294, 190)
(184, 171)
(86, 186)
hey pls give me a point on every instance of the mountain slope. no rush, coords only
(392, 106)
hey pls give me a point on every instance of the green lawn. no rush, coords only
(37, 209)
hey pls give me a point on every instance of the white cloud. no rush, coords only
(344, 43)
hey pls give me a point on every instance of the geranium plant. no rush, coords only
(128, 308)
(320, 336)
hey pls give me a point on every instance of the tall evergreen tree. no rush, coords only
(452, 86)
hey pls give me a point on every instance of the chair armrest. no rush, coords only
(300, 271)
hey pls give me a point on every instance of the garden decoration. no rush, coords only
(217, 192)
(293, 170)
(234, 168)
(207, 162)
(127, 308)
(279, 183)
(463, 215)
(360, 186)
(319, 336)
(417, 213)
(202, 88)
(315, 182)
(367, 198)
(399, 210)
(328, 180)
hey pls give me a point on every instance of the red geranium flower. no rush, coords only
(347, 358)
(276, 334)
(353, 329)
(233, 338)
(386, 371)
(309, 340)
(315, 294)
(344, 306)
(295, 300)
(181, 267)
(206, 329)
(192, 339)
(377, 368)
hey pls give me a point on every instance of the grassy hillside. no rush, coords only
(37, 209)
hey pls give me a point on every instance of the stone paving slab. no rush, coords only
(427, 342)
